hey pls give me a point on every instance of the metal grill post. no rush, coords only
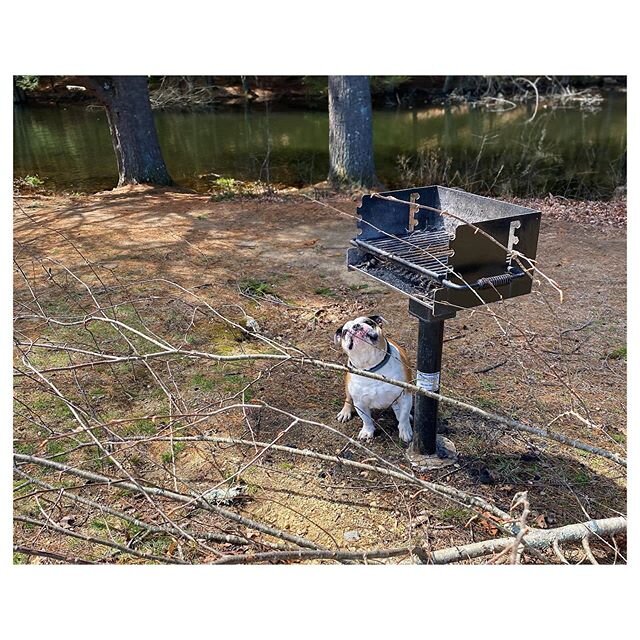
(429, 359)
(428, 450)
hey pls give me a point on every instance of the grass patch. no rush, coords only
(99, 525)
(142, 427)
(487, 403)
(50, 405)
(454, 514)
(26, 448)
(255, 287)
(233, 381)
(326, 291)
(56, 450)
(620, 438)
(202, 383)
(28, 182)
(228, 188)
(580, 477)
(158, 546)
(178, 448)
(506, 466)
(619, 354)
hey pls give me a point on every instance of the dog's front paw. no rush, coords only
(406, 434)
(345, 415)
(365, 434)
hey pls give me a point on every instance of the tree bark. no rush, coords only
(350, 132)
(19, 95)
(133, 131)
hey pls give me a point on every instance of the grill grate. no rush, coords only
(424, 251)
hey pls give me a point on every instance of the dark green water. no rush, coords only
(567, 152)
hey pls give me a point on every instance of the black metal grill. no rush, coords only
(446, 262)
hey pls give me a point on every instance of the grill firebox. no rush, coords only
(446, 250)
(456, 260)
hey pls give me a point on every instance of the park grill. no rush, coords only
(446, 250)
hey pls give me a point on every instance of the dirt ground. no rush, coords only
(282, 259)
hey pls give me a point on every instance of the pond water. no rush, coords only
(565, 151)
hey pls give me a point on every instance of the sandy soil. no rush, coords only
(550, 358)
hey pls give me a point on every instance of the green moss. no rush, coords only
(454, 514)
(100, 525)
(217, 337)
(26, 448)
(158, 546)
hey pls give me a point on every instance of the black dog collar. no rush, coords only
(380, 364)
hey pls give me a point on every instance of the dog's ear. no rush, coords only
(379, 320)
(337, 336)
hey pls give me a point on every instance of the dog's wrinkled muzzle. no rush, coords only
(362, 333)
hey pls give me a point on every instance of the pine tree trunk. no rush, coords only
(350, 132)
(133, 131)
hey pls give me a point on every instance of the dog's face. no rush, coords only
(360, 334)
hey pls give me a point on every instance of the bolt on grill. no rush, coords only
(446, 250)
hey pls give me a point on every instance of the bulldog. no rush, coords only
(363, 340)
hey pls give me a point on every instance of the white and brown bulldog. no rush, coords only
(363, 340)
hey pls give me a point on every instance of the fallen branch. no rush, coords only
(172, 495)
(442, 490)
(49, 554)
(99, 541)
(508, 422)
(282, 556)
(151, 528)
(491, 367)
(539, 539)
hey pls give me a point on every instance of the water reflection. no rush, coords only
(564, 151)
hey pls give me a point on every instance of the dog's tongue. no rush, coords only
(361, 333)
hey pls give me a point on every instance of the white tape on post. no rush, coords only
(428, 381)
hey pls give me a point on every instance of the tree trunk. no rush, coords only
(19, 96)
(133, 131)
(350, 132)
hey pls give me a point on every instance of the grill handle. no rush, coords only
(484, 283)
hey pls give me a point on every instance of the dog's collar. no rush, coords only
(380, 364)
